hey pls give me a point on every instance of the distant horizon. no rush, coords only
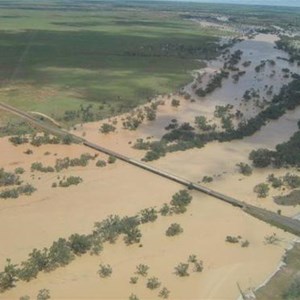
(288, 3)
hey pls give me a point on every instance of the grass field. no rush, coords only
(57, 56)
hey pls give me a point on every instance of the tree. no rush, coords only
(174, 229)
(142, 270)
(111, 159)
(262, 190)
(164, 293)
(9, 276)
(105, 271)
(43, 295)
(148, 215)
(153, 283)
(180, 200)
(244, 169)
(182, 270)
(106, 128)
(79, 244)
(261, 158)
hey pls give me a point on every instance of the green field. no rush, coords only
(57, 56)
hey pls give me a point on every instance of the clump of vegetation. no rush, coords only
(133, 297)
(148, 215)
(292, 199)
(111, 159)
(175, 102)
(165, 210)
(181, 270)
(180, 201)
(275, 182)
(43, 294)
(174, 229)
(164, 293)
(100, 163)
(133, 280)
(153, 283)
(80, 243)
(292, 180)
(107, 128)
(232, 239)
(14, 193)
(71, 180)
(207, 179)
(8, 178)
(293, 291)
(104, 271)
(142, 270)
(244, 169)
(271, 239)
(262, 190)
(37, 166)
(19, 171)
(8, 277)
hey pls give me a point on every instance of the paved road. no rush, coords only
(286, 223)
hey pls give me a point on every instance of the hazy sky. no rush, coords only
(262, 2)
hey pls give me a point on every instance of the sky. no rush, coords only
(254, 2)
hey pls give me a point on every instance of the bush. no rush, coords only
(261, 190)
(142, 270)
(19, 170)
(79, 244)
(72, 180)
(153, 283)
(132, 235)
(133, 280)
(8, 277)
(100, 163)
(245, 244)
(37, 166)
(275, 182)
(106, 128)
(105, 271)
(180, 201)
(111, 159)
(43, 295)
(133, 297)
(175, 102)
(244, 169)
(192, 258)
(292, 181)
(271, 239)
(7, 178)
(164, 293)
(232, 239)
(174, 229)
(148, 215)
(18, 140)
(165, 210)
(207, 179)
(182, 270)
(198, 266)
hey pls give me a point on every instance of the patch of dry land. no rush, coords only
(36, 221)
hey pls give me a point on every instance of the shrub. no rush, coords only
(100, 163)
(245, 244)
(106, 128)
(43, 295)
(180, 201)
(175, 102)
(148, 215)
(198, 266)
(192, 258)
(132, 235)
(111, 159)
(28, 152)
(67, 139)
(72, 180)
(271, 239)
(8, 277)
(174, 229)
(293, 181)
(164, 293)
(275, 182)
(165, 210)
(207, 179)
(105, 271)
(261, 190)
(133, 280)
(25, 297)
(7, 178)
(19, 170)
(18, 140)
(79, 244)
(231, 239)
(133, 297)
(153, 283)
(244, 169)
(182, 270)
(142, 270)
